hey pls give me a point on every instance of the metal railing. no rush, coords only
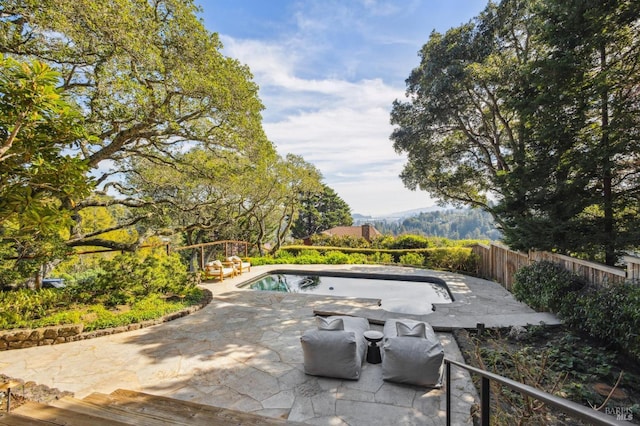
(569, 407)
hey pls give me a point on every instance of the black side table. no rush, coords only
(373, 351)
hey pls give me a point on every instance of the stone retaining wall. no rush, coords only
(27, 338)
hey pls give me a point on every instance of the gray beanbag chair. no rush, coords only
(336, 348)
(412, 353)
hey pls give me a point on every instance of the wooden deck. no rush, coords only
(125, 407)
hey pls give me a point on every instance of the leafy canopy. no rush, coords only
(40, 181)
(530, 112)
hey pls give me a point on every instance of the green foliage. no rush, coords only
(311, 257)
(152, 78)
(554, 359)
(320, 211)
(544, 285)
(609, 313)
(383, 241)
(448, 258)
(410, 242)
(339, 241)
(541, 134)
(128, 276)
(586, 361)
(335, 257)
(523, 364)
(23, 306)
(137, 280)
(39, 180)
(460, 259)
(413, 259)
(147, 308)
(380, 257)
(448, 224)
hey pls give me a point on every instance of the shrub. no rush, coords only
(545, 285)
(452, 259)
(336, 258)
(128, 276)
(384, 241)
(26, 305)
(126, 279)
(339, 241)
(380, 257)
(412, 259)
(610, 314)
(410, 242)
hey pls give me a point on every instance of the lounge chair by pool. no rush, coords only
(239, 264)
(218, 269)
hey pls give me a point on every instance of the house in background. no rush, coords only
(366, 231)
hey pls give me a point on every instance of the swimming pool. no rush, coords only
(397, 294)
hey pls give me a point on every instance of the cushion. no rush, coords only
(335, 353)
(411, 330)
(413, 361)
(327, 324)
(217, 263)
(331, 354)
(412, 353)
(391, 328)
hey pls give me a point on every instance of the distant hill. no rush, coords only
(359, 219)
(456, 224)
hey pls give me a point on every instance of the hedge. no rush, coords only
(611, 314)
(460, 259)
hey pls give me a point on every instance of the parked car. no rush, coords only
(53, 283)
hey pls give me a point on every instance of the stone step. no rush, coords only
(120, 413)
(62, 416)
(195, 414)
(11, 419)
(125, 407)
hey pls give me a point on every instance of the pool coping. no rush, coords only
(475, 301)
(346, 274)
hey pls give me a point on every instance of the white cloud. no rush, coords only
(340, 126)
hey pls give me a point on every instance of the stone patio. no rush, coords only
(243, 352)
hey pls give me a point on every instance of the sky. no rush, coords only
(328, 72)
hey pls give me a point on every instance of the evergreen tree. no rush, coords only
(320, 211)
(534, 104)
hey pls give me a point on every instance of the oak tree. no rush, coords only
(151, 83)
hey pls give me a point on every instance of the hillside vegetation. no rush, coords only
(455, 224)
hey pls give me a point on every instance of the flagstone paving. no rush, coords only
(242, 351)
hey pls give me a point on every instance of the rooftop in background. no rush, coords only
(366, 231)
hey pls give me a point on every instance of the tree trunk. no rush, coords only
(607, 190)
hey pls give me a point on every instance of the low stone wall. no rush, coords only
(28, 338)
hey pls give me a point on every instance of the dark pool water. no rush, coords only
(396, 295)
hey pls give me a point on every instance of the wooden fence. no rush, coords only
(499, 263)
(633, 268)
